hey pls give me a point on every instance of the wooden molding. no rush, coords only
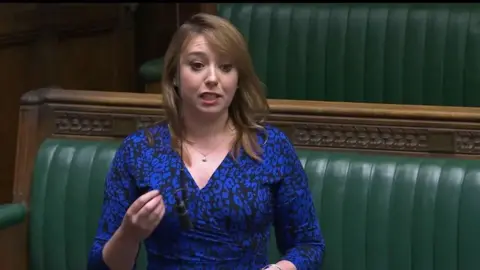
(310, 124)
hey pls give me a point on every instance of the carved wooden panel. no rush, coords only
(315, 135)
(388, 138)
(81, 124)
(467, 142)
(100, 124)
(317, 125)
(361, 136)
(146, 121)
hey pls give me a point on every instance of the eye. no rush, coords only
(226, 67)
(196, 66)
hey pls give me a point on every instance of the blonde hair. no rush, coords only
(249, 102)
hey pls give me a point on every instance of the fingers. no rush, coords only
(144, 215)
(151, 212)
(150, 206)
(146, 212)
(157, 214)
(142, 200)
(160, 209)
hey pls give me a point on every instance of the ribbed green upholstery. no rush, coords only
(377, 212)
(67, 195)
(396, 213)
(381, 53)
(389, 53)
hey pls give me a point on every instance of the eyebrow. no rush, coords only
(202, 54)
(197, 53)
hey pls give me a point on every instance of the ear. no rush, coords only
(175, 85)
(176, 79)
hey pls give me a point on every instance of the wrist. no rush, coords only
(125, 237)
(120, 251)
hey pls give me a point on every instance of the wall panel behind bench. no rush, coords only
(74, 46)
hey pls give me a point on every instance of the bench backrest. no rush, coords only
(381, 53)
(376, 212)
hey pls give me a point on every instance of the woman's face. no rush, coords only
(207, 83)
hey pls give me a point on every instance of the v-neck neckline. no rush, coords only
(191, 180)
(210, 180)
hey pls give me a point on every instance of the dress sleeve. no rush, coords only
(120, 192)
(297, 229)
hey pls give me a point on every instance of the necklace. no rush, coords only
(204, 159)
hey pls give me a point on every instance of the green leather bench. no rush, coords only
(427, 54)
(377, 212)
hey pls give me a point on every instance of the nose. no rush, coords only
(212, 79)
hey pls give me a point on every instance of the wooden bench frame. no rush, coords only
(338, 126)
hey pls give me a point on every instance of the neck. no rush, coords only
(200, 128)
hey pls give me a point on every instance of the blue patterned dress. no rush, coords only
(232, 214)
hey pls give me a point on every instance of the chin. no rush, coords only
(211, 110)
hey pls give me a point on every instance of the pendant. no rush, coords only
(204, 159)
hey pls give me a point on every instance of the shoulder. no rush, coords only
(278, 152)
(276, 138)
(277, 147)
(144, 135)
(142, 142)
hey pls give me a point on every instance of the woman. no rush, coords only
(238, 176)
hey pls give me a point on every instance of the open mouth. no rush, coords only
(209, 96)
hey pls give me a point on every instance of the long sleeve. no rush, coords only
(297, 229)
(119, 193)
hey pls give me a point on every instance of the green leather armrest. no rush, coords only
(151, 71)
(11, 214)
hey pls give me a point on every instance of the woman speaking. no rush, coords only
(203, 188)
